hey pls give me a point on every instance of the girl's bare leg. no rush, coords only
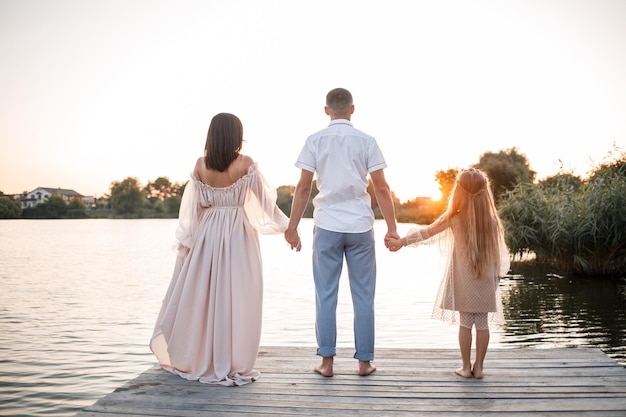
(326, 367)
(482, 341)
(465, 345)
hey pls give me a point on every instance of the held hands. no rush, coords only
(394, 244)
(393, 241)
(293, 238)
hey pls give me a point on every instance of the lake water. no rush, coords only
(79, 299)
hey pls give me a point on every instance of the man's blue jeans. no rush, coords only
(329, 249)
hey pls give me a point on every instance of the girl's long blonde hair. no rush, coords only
(480, 231)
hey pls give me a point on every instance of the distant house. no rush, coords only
(41, 195)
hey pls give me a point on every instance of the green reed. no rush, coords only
(579, 226)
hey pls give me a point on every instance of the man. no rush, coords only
(342, 157)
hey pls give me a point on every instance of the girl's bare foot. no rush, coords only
(465, 373)
(366, 368)
(326, 367)
(477, 372)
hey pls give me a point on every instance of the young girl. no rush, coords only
(472, 238)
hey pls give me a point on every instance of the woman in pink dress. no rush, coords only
(471, 236)
(209, 326)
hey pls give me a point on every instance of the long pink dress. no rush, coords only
(209, 326)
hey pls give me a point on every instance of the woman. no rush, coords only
(209, 326)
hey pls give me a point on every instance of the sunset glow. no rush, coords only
(95, 92)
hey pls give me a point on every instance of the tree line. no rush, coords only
(576, 224)
(161, 197)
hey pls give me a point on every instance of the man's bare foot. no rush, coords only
(324, 370)
(465, 373)
(477, 372)
(326, 367)
(366, 368)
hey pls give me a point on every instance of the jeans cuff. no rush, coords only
(326, 351)
(367, 357)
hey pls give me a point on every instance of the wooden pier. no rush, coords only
(408, 382)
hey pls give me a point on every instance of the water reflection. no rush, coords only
(79, 300)
(546, 310)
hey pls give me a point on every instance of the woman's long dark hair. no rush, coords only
(223, 142)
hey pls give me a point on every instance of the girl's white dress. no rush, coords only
(460, 290)
(209, 325)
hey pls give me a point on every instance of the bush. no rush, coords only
(9, 208)
(578, 226)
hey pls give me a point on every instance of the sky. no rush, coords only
(95, 91)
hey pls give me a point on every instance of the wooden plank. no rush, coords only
(518, 382)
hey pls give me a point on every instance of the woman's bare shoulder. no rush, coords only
(245, 162)
(197, 169)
